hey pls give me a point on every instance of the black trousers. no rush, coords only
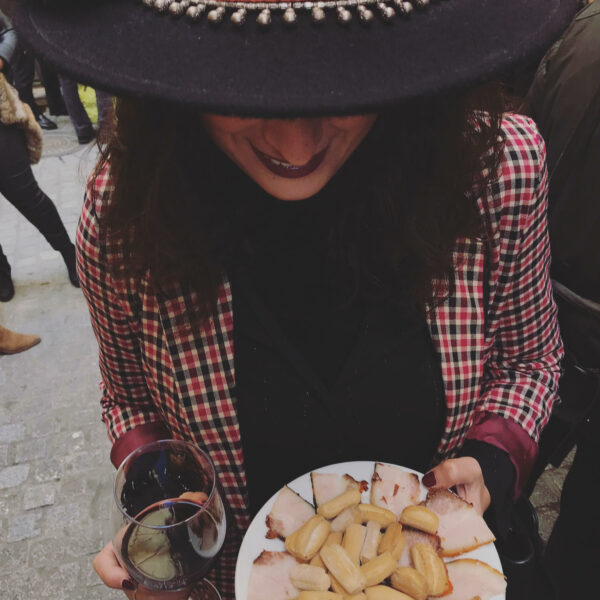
(23, 72)
(77, 113)
(56, 104)
(19, 187)
(572, 554)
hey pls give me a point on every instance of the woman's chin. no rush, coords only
(293, 190)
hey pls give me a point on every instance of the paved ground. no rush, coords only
(55, 476)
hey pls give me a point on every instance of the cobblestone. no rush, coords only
(13, 476)
(50, 469)
(3, 456)
(11, 433)
(12, 558)
(30, 450)
(42, 495)
(23, 527)
(63, 516)
(46, 552)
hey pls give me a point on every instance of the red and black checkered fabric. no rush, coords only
(499, 350)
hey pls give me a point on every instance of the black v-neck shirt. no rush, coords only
(289, 260)
(323, 374)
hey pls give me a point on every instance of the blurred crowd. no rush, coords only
(21, 122)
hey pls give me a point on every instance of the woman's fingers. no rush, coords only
(465, 475)
(113, 575)
(454, 471)
(107, 566)
(198, 497)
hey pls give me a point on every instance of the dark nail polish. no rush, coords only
(128, 584)
(429, 479)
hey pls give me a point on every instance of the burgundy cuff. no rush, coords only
(510, 437)
(136, 437)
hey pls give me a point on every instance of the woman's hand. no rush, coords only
(465, 475)
(113, 575)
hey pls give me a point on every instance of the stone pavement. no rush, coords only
(55, 474)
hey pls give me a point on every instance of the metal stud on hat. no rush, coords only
(217, 9)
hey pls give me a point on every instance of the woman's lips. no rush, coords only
(284, 169)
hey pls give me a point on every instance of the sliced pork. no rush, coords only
(412, 537)
(461, 529)
(393, 488)
(270, 577)
(327, 486)
(289, 513)
(472, 578)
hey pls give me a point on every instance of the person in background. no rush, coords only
(565, 102)
(54, 98)
(19, 186)
(23, 73)
(77, 113)
(13, 343)
(56, 106)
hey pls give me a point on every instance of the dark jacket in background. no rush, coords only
(565, 103)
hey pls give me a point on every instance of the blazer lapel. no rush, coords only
(204, 376)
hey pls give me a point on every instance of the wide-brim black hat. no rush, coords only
(284, 69)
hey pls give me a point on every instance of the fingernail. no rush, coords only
(429, 479)
(127, 584)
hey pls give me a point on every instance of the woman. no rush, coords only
(19, 187)
(292, 292)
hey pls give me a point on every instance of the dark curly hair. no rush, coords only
(409, 193)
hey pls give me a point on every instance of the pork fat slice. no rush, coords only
(270, 577)
(289, 513)
(471, 578)
(461, 529)
(394, 489)
(327, 486)
(412, 537)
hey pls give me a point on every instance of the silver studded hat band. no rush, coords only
(216, 11)
(292, 58)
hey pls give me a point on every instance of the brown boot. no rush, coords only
(12, 343)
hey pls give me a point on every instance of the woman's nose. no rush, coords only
(295, 140)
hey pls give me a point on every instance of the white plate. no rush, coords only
(255, 542)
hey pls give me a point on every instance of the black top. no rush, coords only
(323, 375)
(315, 359)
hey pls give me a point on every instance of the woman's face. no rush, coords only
(291, 159)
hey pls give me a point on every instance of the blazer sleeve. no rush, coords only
(523, 368)
(127, 407)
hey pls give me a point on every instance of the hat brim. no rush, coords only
(123, 47)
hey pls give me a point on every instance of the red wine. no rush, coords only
(172, 544)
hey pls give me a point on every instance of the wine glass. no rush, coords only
(168, 517)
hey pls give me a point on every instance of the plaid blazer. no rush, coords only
(497, 338)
